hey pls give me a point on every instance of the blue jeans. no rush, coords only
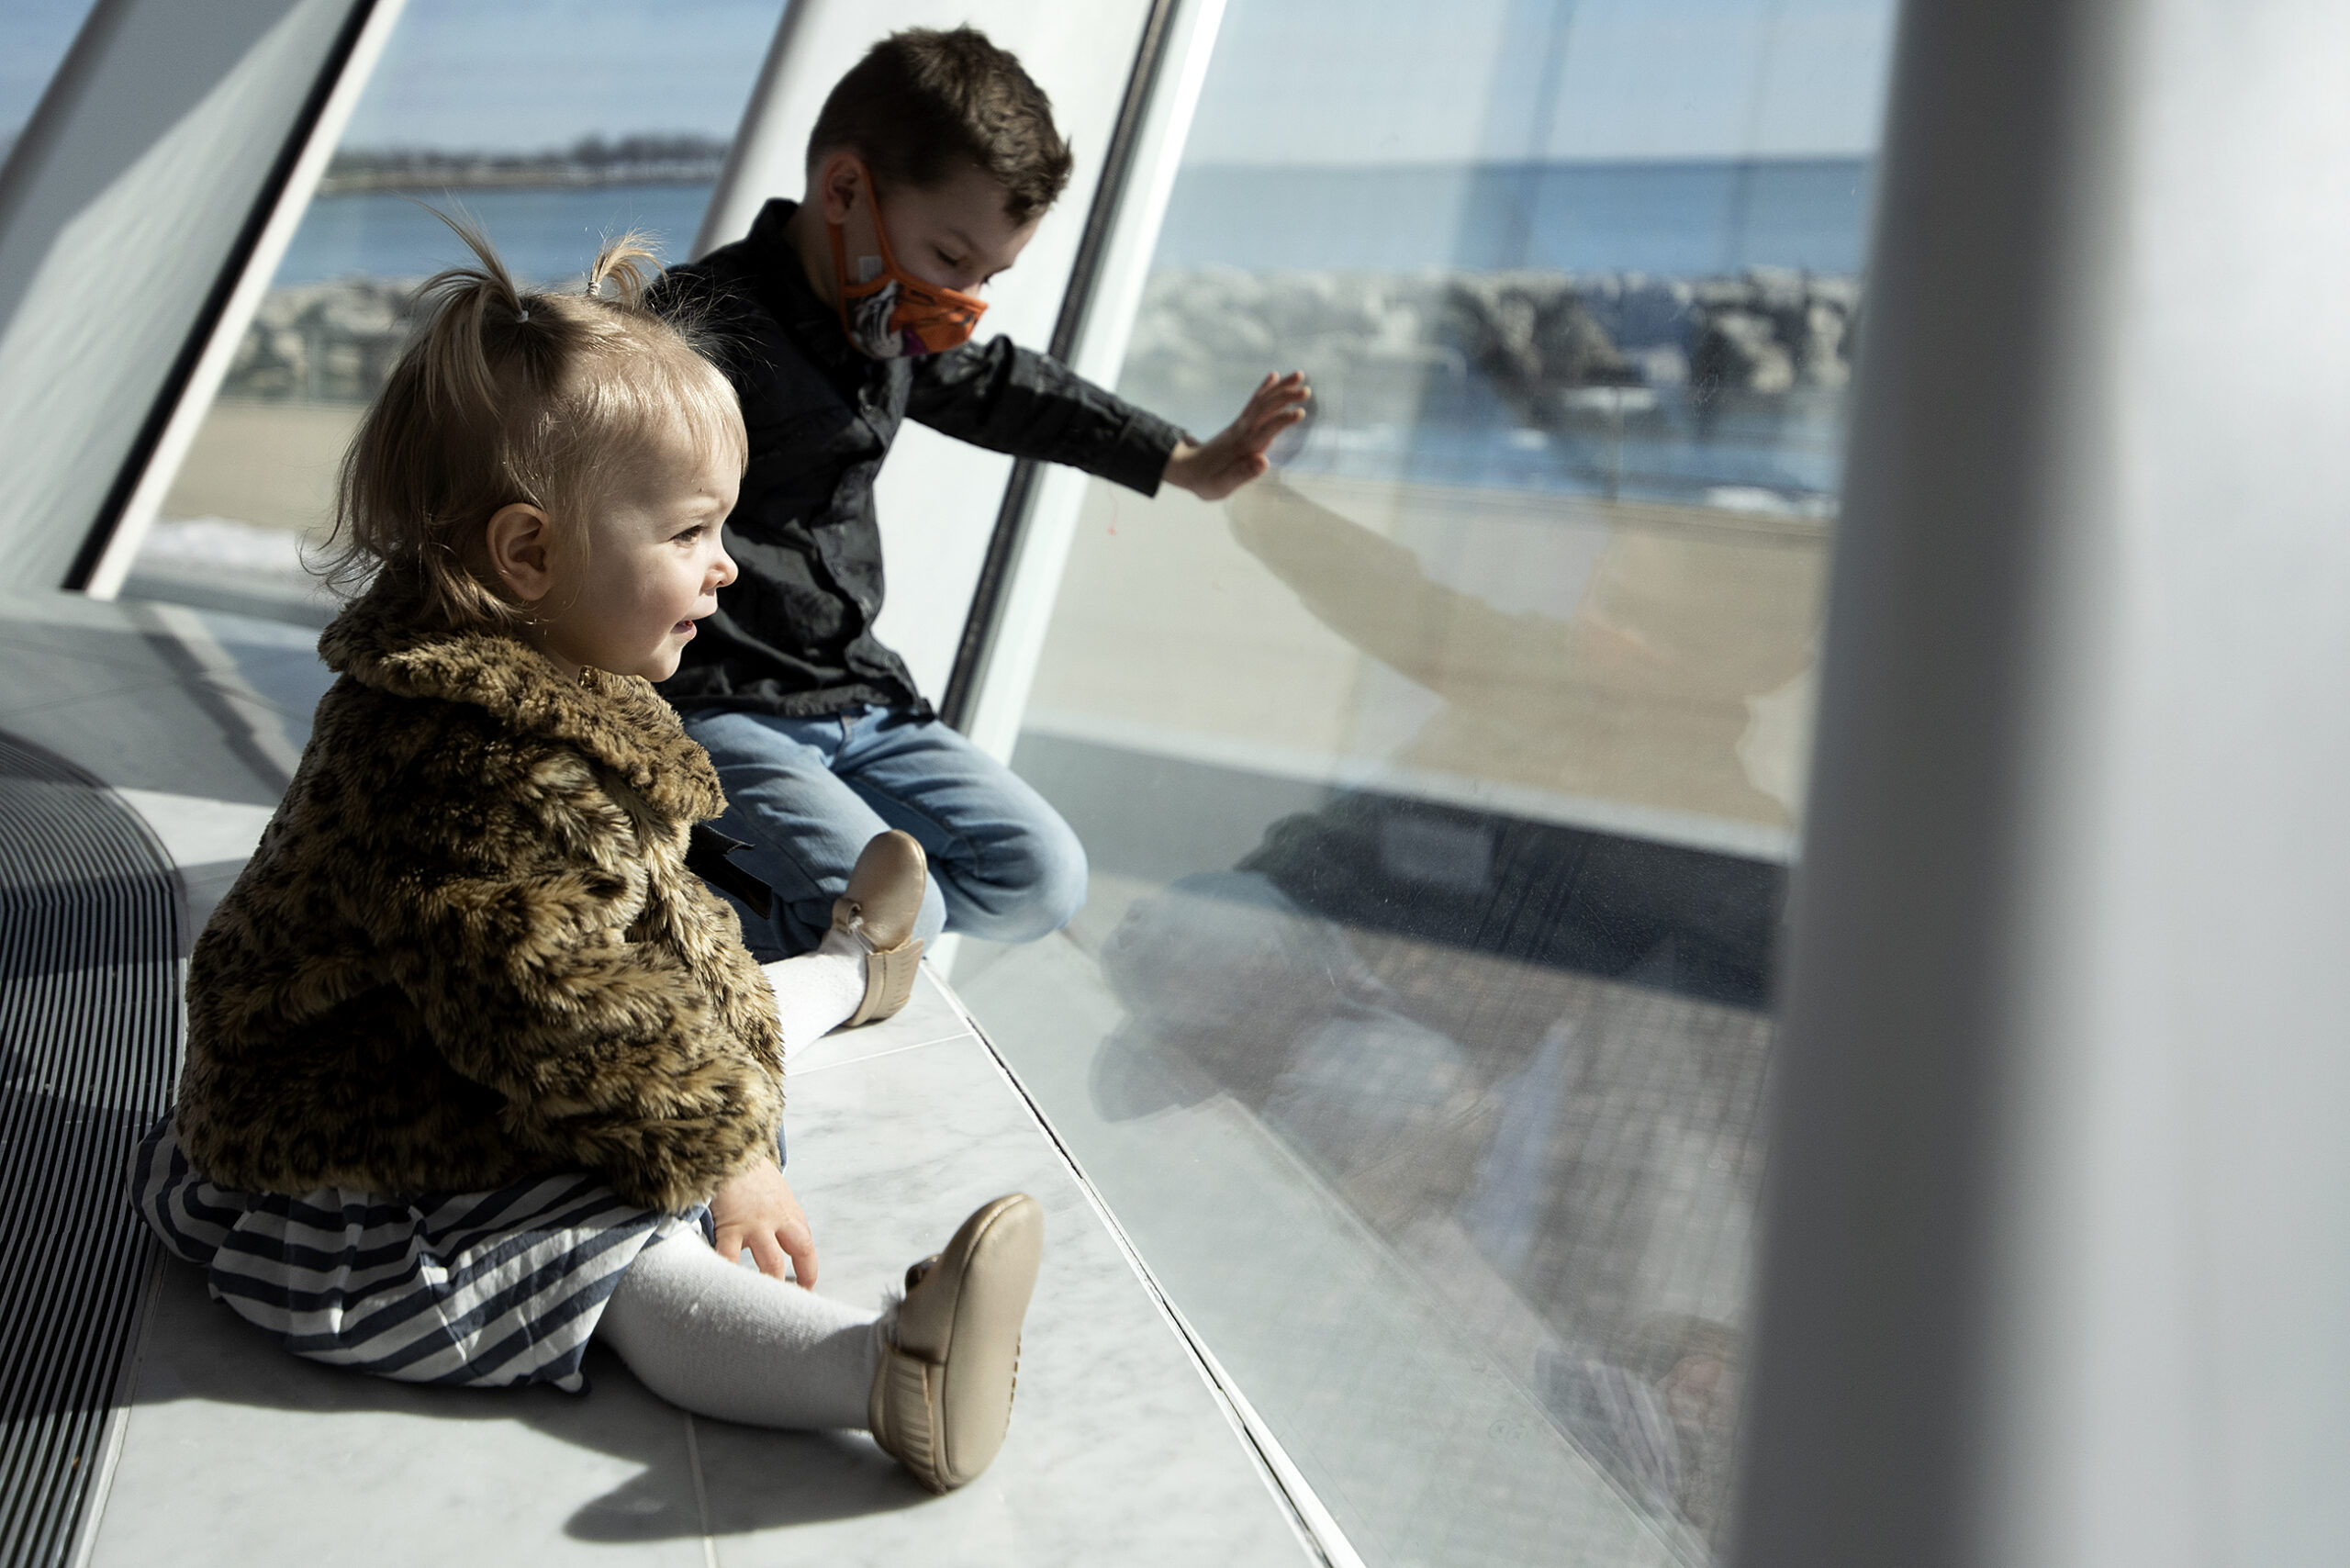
(807, 795)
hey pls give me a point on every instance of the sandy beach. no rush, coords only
(268, 463)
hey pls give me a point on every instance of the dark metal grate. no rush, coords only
(90, 1030)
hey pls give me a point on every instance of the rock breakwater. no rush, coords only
(1537, 340)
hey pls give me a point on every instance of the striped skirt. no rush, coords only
(476, 1290)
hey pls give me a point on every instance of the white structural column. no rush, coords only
(2057, 1271)
(130, 212)
(938, 498)
(1023, 615)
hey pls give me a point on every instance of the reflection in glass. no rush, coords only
(529, 118)
(1440, 791)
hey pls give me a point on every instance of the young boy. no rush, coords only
(837, 318)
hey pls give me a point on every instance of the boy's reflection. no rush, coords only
(1692, 626)
(1531, 1055)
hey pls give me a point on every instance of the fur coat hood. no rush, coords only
(468, 951)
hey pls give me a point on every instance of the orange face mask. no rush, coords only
(888, 312)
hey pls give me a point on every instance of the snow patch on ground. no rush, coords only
(220, 546)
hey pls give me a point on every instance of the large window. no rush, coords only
(550, 124)
(1441, 790)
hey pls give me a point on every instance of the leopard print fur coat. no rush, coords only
(468, 950)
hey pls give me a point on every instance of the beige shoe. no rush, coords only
(942, 1397)
(883, 900)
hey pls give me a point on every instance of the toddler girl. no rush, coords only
(478, 1069)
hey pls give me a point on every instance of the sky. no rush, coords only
(505, 74)
(530, 73)
(1340, 81)
(1315, 81)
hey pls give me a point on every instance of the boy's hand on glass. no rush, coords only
(757, 1210)
(1214, 469)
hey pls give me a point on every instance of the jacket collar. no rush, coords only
(620, 721)
(781, 280)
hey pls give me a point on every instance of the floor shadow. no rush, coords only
(196, 1349)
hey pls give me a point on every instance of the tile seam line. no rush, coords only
(1308, 1518)
(701, 1491)
(103, 695)
(790, 1072)
(117, 1428)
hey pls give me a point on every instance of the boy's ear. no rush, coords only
(836, 187)
(519, 541)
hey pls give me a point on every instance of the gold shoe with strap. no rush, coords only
(942, 1397)
(883, 900)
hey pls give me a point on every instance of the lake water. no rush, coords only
(1682, 219)
(1670, 219)
(544, 235)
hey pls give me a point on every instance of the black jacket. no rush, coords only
(794, 634)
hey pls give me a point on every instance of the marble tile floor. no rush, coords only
(233, 1453)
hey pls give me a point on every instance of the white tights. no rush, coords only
(720, 1340)
(815, 992)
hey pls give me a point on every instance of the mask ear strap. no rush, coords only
(873, 208)
(840, 255)
(838, 233)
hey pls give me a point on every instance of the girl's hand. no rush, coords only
(1236, 454)
(757, 1210)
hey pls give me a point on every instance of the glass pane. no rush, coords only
(552, 125)
(33, 37)
(1441, 790)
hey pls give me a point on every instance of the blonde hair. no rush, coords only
(504, 396)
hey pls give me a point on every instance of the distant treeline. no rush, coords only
(592, 160)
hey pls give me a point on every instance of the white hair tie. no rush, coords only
(521, 316)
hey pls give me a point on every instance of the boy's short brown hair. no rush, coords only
(922, 101)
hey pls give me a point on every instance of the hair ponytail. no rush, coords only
(629, 264)
(462, 306)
